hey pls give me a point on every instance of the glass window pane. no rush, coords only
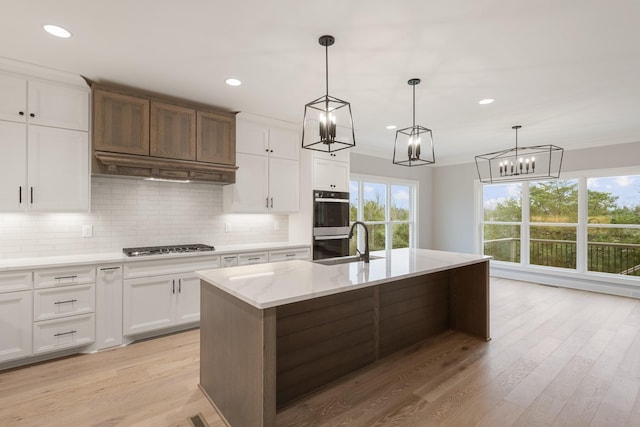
(375, 201)
(502, 202)
(554, 201)
(553, 246)
(400, 203)
(502, 242)
(400, 237)
(614, 250)
(353, 200)
(614, 200)
(377, 237)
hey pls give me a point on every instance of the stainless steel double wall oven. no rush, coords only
(330, 224)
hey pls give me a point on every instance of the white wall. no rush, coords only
(369, 165)
(453, 225)
(134, 212)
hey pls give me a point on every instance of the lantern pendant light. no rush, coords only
(536, 162)
(328, 123)
(414, 145)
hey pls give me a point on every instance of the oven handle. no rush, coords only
(342, 236)
(332, 200)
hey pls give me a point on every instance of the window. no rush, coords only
(585, 224)
(553, 221)
(387, 207)
(613, 225)
(502, 213)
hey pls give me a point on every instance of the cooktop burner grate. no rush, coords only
(172, 249)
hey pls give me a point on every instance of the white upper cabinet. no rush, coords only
(44, 141)
(13, 102)
(43, 103)
(58, 171)
(13, 166)
(267, 180)
(331, 171)
(58, 106)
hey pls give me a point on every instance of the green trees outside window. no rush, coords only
(611, 223)
(387, 209)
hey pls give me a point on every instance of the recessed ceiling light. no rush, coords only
(486, 101)
(391, 127)
(233, 82)
(57, 31)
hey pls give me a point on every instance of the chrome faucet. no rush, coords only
(365, 256)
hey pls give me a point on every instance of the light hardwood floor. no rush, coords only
(558, 357)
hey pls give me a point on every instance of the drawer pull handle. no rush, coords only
(290, 255)
(254, 258)
(66, 302)
(109, 268)
(229, 257)
(65, 277)
(59, 334)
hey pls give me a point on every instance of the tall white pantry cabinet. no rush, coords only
(44, 141)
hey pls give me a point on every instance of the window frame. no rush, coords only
(388, 182)
(582, 229)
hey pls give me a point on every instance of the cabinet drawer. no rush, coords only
(253, 258)
(228, 260)
(339, 156)
(64, 276)
(51, 303)
(289, 254)
(16, 281)
(158, 267)
(58, 334)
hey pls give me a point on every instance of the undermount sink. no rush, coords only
(344, 260)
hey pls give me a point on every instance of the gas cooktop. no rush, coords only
(172, 249)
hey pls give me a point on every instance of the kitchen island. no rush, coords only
(271, 333)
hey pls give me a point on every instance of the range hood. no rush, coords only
(137, 133)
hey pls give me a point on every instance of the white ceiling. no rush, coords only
(568, 71)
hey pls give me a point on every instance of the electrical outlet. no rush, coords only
(227, 227)
(276, 225)
(87, 231)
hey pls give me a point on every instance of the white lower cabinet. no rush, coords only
(229, 260)
(15, 325)
(66, 332)
(253, 258)
(51, 303)
(159, 302)
(108, 306)
(303, 253)
(64, 303)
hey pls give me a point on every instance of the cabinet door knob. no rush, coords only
(21, 113)
(32, 115)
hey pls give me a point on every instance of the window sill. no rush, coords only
(592, 281)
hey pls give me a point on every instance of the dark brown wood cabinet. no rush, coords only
(141, 134)
(120, 123)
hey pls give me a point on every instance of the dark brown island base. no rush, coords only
(273, 333)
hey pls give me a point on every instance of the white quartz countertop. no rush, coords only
(270, 285)
(9, 264)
